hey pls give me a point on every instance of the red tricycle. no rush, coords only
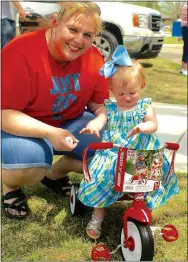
(137, 172)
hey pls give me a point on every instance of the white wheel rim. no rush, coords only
(72, 200)
(136, 254)
(103, 45)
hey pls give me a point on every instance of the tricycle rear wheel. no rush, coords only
(76, 206)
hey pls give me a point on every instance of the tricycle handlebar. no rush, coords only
(101, 145)
(108, 145)
(172, 146)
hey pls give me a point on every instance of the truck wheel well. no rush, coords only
(115, 31)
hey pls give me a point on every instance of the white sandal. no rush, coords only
(95, 225)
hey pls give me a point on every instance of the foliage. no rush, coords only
(130, 167)
(150, 4)
(172, 9)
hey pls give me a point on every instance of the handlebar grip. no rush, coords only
(172, 146)
(101, 145)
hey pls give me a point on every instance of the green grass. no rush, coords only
(164, 83)
(172, 40)
(51, 233)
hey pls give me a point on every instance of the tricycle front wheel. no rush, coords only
(141, 242)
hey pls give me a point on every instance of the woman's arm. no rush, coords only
(20, 124)
(149, 125)
(95, 125)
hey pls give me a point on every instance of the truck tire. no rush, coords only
(106, 43)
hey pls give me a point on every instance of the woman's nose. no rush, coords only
(79, 39)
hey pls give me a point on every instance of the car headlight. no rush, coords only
(141, 20)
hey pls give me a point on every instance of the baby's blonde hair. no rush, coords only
(125, 74)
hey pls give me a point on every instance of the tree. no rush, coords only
(172, 9)
(150, 4)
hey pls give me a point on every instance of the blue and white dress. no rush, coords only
(99, 192)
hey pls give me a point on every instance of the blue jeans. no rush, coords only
(185, 46)
(8, 31)
(25, 152)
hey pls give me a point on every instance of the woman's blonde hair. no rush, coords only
(69, 9)
(125, 74)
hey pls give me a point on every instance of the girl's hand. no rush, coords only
(91, 131)
(141, 128)
(147, 127)
(58, 138)
(91, 128)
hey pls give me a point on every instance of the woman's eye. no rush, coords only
(132, 93)
(87, 35)
(120, 94)
(72, 29)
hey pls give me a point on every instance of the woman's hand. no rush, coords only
(58, 138)
(20, 124)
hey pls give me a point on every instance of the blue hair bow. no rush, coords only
(119, 57)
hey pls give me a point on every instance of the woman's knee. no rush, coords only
(24, 152)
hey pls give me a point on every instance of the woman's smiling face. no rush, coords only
(73, 37)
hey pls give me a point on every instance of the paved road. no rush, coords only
(172, 119)
(172, 52)
(172, 127)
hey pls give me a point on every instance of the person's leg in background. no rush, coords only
(8, 31)
(184, 69)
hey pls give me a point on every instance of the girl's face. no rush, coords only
(128, 96)
(73, 37)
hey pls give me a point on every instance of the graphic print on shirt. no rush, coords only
(66, 88)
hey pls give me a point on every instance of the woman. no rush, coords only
(48, 78)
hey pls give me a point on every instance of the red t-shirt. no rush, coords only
(34, 83)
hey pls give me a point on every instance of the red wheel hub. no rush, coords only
(170, 233)
(100, 252)
(130, 244)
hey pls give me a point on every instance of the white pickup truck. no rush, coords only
(138, 28)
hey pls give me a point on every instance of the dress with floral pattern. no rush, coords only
(99, 192)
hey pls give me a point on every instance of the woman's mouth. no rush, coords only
(73, 48)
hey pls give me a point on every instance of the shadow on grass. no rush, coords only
(164, 71)
(146, 65)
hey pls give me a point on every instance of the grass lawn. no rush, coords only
(164, 83)
(172, 40)
(51, 233)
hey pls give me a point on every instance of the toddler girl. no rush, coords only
(131, 122)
